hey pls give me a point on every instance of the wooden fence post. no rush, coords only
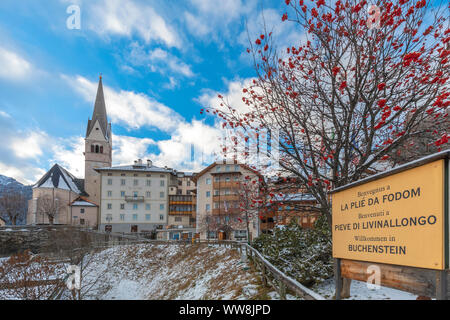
(263, 271)
(282, 290)
(441, 285)
(337, 278)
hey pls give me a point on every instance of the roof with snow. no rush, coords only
(60, 178)
(83, 202)
(138, 168)
(294, 197)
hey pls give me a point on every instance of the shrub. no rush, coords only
(303, 254)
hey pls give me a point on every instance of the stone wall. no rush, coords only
(54, 239)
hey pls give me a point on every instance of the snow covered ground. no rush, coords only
(360, 291)
(142, 272)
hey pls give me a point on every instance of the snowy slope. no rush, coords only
(169, 272)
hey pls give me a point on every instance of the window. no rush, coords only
(135, 217)
(96, 149)
(208, 207)
(178, 219)
(109, 174)
(161, 194)
(148, 194)
(92, 148)
(161, 217)
(149, 183)
(122, 182)
(135, 182)
(122, 217)
(236, 178)
(135, 194)
(161, 183)
(147, 217)
(101, 149)
(123, 174)
(227, 168)
(109, 182)
(216, 192)
(208, 180)
(109, 193)
(122, 206)
(227, 179)
(208, 194)
(216, 205)
(236, 167)
(135, 206)
(217, 179)
(122, 194)
(109, 206)
(180, 183)
(188, 183)
(81, 210)
(82, 221)
(161, 206)
(147, 206)
(217, 168)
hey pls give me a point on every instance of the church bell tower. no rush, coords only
(98, 146)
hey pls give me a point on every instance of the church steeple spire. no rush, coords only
(99, 112)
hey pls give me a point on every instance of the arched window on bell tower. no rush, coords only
(96, 149)
(92, 148)
(101, 149)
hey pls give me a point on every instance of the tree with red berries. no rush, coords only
(363, 83)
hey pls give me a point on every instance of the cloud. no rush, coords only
(13, 66)
(284, 34)
(160, 61)
(126, 149)
(68, 153)
(26, 174)
(129, 18)
(217, 20)
(29, 145)
(232, 95)
(131, 109)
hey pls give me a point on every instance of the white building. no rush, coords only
(135, 198)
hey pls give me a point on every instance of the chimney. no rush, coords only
(149, 163)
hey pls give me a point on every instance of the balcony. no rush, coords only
(181, 212)
(134, 198)
(226, 185)
(221, 211)
(227, 197)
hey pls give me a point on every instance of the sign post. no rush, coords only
(396, 221)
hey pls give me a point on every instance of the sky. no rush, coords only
(161, 62)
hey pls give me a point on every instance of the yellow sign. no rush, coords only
(398, 219)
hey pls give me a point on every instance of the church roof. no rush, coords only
(60, 178)
(99, 113)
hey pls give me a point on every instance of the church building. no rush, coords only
(61, 198)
